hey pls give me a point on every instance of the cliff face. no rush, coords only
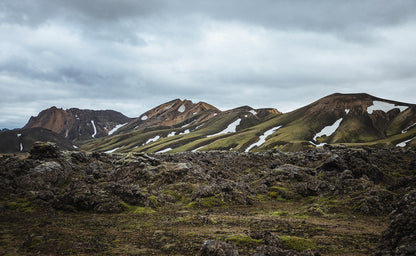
(78, 124)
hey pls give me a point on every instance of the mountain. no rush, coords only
(351, 119)
(181, 125)
(340, 118)
(78, 124)
(22, 140)
(186, 126)
(175, 112)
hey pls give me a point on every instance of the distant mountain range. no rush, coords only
(181, 125)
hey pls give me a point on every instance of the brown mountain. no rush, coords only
(175, 112)
(78, 124)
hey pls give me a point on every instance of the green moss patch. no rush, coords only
(137, 209)
(297, 243)
(244, 239)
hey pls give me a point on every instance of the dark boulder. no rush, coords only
(217, 248)
(44, 150)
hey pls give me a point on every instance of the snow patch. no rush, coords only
(112, 150)
(74, 146)
(262, 138)
(185, 132)
(19, 134)
(116, 128)
(21, 146)
(215, 114)
(317, 145)
(199, 126)
(164, 150)
(384, 106)
(328, 130)
(253, 112)
(230, 128)
(66, 133)
(95, 129)
(171, 134)
(76, 116)
(403, 144)
(347, 111)
(408, 128)
(187, 124)
(181, 108)
(194, 150)
(168, 107)
(144, 118)
(152, 139)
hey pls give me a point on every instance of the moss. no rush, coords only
(137, 209)
(244, 239)
(192, 205)
(297, 243)
(279, 213)
(277, 188)
(21, 204)
(209, 202)
(153, 201)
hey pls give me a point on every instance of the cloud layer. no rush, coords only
(133, 55)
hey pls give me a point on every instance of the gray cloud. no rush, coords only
(133, 55)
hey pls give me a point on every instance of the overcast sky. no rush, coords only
(132, 55)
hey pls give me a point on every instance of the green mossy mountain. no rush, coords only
(357, 119)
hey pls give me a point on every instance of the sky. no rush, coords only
(132, 55)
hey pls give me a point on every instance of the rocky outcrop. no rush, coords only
(400, 237)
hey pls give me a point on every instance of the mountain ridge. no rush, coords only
(181, 125)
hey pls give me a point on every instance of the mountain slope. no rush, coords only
(22, 140)
(78, 124)
(192, 133)
(175, 112)
(342, 118)
(338, 118)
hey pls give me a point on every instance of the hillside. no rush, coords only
(194, 132)
(78, 124)
(351, 119)
(22, 140)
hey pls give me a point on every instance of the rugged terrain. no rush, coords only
(329, 201)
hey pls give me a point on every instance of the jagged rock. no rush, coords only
(377, 202)
(51, 173)
(79, 156)
(217, 248)
(334, 163)
(313, 188)
(43, 150)
(399, 239)
(130, 194)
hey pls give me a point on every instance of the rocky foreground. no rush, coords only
(209, 203)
